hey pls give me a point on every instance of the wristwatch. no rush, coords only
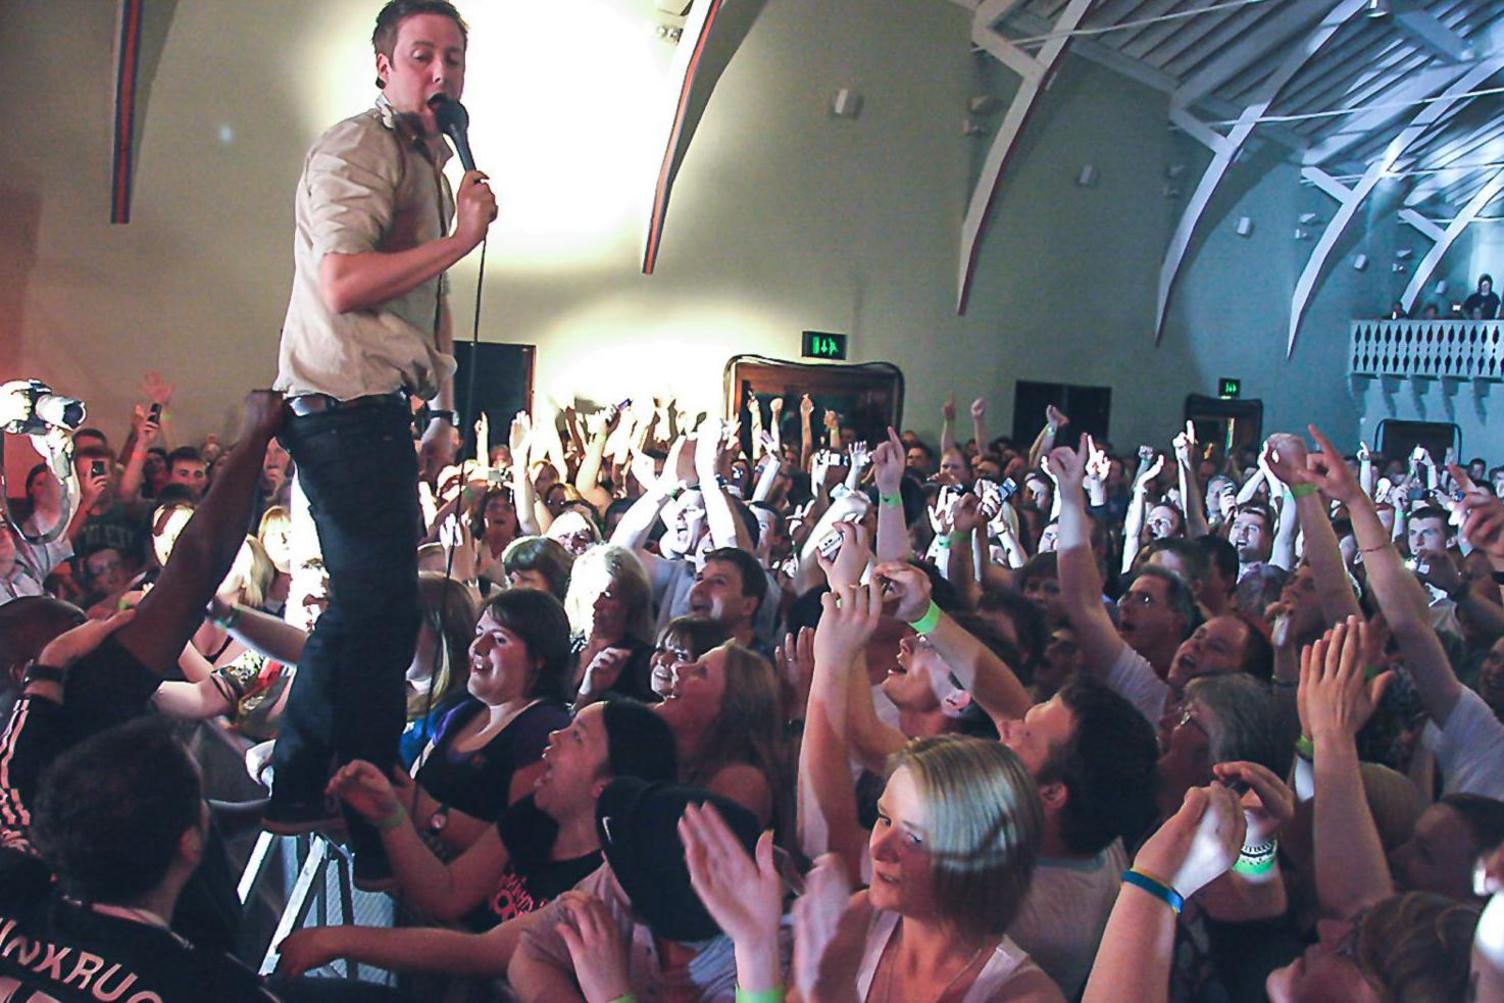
(36, 672)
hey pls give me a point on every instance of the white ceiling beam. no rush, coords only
(1034, 73)
(1427, 265)
(1256, 45)
(1226, 149)
(713, 32)
(1305, 286)
(1449, 153)
(1321, 179)
(1425, 226)
(1428, 30)
(1031, 25)
(1362, 125)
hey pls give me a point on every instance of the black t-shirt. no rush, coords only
(477, 783)
(532, 878)
(1487, 306)
(55, 949)
(106, 687)
(115, 527)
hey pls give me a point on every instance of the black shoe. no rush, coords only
(293, 818)
(373, 871)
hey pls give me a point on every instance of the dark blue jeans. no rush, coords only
(359, 470)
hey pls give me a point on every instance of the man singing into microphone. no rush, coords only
(367, 328)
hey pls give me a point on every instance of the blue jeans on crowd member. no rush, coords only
(358, 467)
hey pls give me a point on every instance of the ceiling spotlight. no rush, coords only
(1377, 8)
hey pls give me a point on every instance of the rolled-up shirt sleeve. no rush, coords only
(352, 186)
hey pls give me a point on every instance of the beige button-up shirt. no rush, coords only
(368, 184)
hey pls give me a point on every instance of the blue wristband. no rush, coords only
(1158, 889)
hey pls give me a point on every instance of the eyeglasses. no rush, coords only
(1188, 717)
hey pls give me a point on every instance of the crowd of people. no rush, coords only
(707, 706)
(645, 705)
(1481, 304)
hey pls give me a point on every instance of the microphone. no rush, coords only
(454, 122)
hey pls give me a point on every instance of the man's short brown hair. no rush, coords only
(384, 38)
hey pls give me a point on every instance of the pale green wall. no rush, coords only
(783, 218)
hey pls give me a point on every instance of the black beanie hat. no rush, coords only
(638, 827)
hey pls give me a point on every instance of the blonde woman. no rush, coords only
(610, 608)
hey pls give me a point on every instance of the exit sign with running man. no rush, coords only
(819, 345)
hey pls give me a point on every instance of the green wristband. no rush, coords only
(774, 995)
(1302, 490)
(943, 541)
(625, 998)
(1305, 748)
(392, 819)
(927, 623)
(886, 501)
(1257, 860)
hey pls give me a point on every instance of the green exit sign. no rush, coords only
(819, 345)
(1229, 388)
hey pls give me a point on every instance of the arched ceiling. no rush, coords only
(1358, 91)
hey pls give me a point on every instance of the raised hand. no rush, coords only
(1268, 804)
(1328, 471)
(157, 390)
(847, 623)
(850, 560)
(859, 455)
(1067, 466)
(1055, 418)
(742, 893)
(806, 407)
(795, 661)
(1199, 843)
(1337, 696)
(967, 514)
(1152, 463)
(146, 428)
(708, 439)
(888, 464)
(1482, 515)
(905, 585)
(1185, 445)
(978, 412)
(603, 671)
(1285, 456)
(948, 409)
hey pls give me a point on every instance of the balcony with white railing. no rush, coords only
(1444, 349)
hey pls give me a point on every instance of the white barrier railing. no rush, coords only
(1460, 349)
